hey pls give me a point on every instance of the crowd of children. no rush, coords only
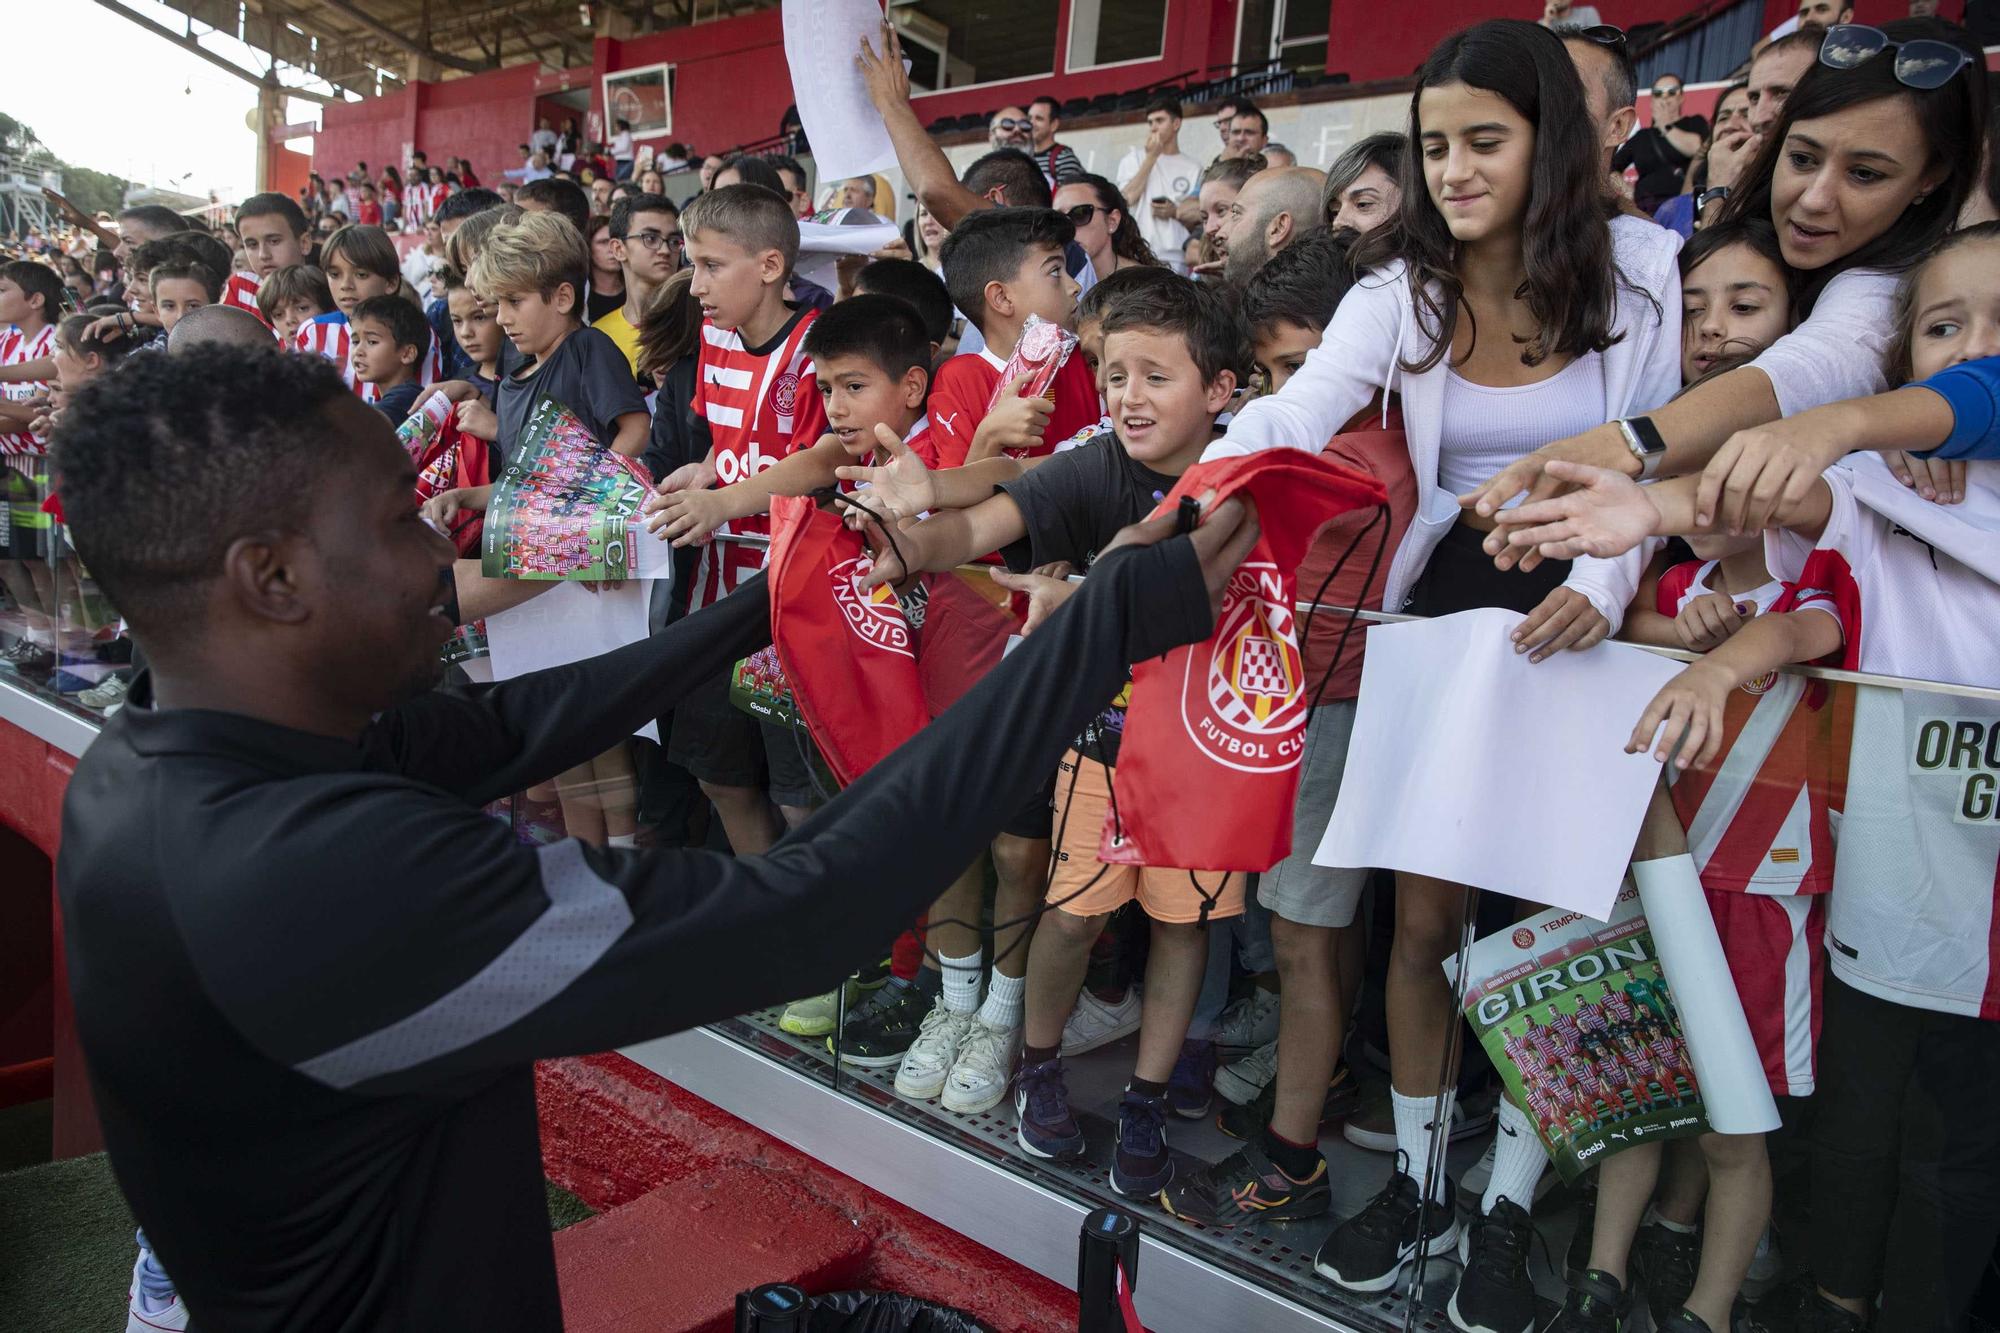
(1483, 321)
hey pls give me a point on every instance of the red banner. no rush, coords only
(848, 653)
(1208, 769)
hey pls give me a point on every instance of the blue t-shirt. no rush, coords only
(1972, 390)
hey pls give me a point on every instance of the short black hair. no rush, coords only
(1055, 107)
(467, 202)
(182, 247)
(37, 279)
(565, 198)
(1108, 290)
(622, 211)
(267, 204)
(1199, 312)
(1301, 284)
(912, 282)
(780, 162)
(887, 330)
(990, 245)
(1167, 103)
(164, 464)
(210, 280)
(156, 216)
(1246, 107)
(753, 170)
(405, 322)
(1026, 186)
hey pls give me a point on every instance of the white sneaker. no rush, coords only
(929, 1060)
(978, 1082)
(1094, 1023)
(1249, 1022)
(1242, 1081)
(171, 1317)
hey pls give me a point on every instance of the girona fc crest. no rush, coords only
(785, 393)
(872, 613)
(1523, 938)
(1247, 709)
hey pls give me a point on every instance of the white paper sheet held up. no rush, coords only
(1471, 765)
(822, 38)
(567, 624)
(821, 245)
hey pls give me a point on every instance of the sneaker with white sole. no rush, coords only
(1094, 1022)
(1243, 1081)
(151, 1303)
(1249, 1022)
(978, 1079)
(928, 1062)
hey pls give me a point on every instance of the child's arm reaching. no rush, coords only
(688, 515)
(946, 540)
(905, 488)
(1643, 621)
(1690, 705)
(1609, 514)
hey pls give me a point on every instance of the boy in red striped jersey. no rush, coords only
(273, 229)
(756, 402)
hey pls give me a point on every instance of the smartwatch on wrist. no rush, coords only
(1643, 438)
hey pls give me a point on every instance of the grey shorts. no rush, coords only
(1295, 888)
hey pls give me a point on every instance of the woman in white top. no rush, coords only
(1864, 173)
(1507, 297)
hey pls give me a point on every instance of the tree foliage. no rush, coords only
(91, 191)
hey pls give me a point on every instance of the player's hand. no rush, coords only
(1939, 480)
(1045, 594)
(897, 561)
(1226, 534)
(686, 517)
(1707, 621)
(1565, 620)
(688, 476)
(1607, 515)
(1014, 423)
(1530, 475)
(1689, 707)
(1763, 470)
(883, 75)
(475, 418)
(902, 488)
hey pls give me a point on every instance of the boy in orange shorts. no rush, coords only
(1173, 352)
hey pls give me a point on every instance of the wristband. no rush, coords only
(1643, 438)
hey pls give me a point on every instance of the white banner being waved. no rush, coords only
(1480, 768)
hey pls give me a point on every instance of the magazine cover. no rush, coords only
(565, 507)
(1578, 1018)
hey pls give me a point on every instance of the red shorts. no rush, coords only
(1775, 947)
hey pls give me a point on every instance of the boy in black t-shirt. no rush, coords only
(390, 337)
(1173, 355)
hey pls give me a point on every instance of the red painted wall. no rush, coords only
(484, 117)
(731, 83)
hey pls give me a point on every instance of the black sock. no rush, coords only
(1297, 1160)
(1145, 1087)
(1038, 1055)
(930, 981)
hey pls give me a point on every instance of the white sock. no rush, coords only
(1518, 1159)
(1005, 998)
(961, 980)
(1413, 1135)
(622, 840)
(1653, 1219)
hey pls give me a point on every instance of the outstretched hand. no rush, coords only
(1607, 515)
(1045, 593)
(902, 488)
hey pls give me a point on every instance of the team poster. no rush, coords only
(565, 507)
(1579, 1021)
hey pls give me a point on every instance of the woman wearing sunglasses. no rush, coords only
(1107, 233)
(1864, 172)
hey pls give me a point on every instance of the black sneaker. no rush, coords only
(1683, 1321)
(1577, 1258)
(1663, 1266)
(1367, 1252)
(1247, 1121)
(1797, 1307)
(1245, 1186)
(1141, 1166)
(1495, 1294)
(1596, 1303)
(880, 1031)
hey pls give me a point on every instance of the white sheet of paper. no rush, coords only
(567, 624)
(822, 244)
(822, 39)
(1472, 765)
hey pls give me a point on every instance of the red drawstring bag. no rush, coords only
(849, 654)
(1208, 769)
(968, 619)
(448, 459)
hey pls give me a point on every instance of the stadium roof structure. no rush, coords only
(335, 50)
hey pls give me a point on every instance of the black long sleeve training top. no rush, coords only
(311, 977)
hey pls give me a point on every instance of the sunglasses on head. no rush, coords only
(1604, 34)
(1924, 65)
